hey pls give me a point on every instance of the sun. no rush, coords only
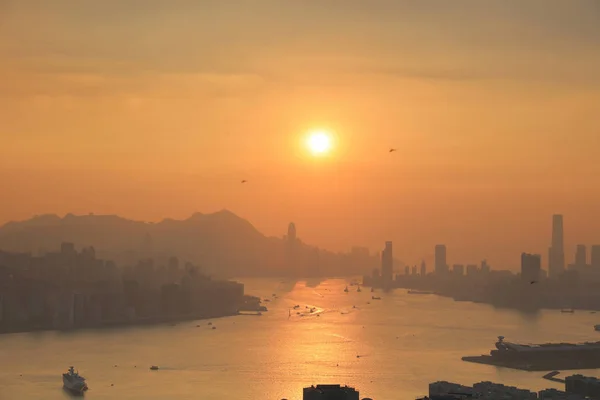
(319, 142)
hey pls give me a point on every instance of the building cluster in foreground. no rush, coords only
(577, 387)
(330, 392)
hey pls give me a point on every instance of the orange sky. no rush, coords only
(151, 109)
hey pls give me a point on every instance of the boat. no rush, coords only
(375, 298)
(74, 382)
(358, 290)
(346, 290)
(542, 357)
(419, 292)
(597, 327)
(154, 368)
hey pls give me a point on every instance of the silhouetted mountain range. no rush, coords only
(221, 242)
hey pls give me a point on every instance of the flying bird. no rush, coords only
(392, 150)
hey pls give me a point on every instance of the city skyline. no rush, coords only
(439, 261)
(134, 121)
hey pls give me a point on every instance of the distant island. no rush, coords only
(70, 290)
(222, 243)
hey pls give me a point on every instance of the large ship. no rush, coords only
(74, 382)
(542, 357)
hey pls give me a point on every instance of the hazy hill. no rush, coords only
(221, 242)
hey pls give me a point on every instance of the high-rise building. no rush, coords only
(458, 269)
(556, 253)
(441, 265)
(531, 266)
(387, 263)
(485, 267)
(472, 269)
(407, 270)
(581, 256)
(414, 270)
(595, 256)
(423, 268)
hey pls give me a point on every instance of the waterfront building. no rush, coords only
(595, 257)
(387, 264)
(530, 267)
(581, 256)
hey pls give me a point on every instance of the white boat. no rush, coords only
(74, 382)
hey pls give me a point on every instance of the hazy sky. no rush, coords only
(153, 109)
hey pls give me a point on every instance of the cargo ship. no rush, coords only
(542, 357)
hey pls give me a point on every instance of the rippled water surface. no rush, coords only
(403, 343)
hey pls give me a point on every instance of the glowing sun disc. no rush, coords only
(319, 142)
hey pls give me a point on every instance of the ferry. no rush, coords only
(74, 382)
(346, 290)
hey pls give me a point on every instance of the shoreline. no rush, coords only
(459, 298)
(106, 325)
(488, 360)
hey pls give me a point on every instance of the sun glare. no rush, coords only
(319, 142)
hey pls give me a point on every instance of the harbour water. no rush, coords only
(402, 341)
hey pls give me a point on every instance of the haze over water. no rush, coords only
(405, 342)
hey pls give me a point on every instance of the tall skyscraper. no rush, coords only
(387, 263)
(581, 256)
(595, 261)
(441, 266)
(531, 267)
(423, 268)
(556, 253)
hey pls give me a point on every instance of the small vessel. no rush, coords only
(375, 298)
(346, 290)
(597, 327)
(358, 290)
(74, 382)
(154, 368)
